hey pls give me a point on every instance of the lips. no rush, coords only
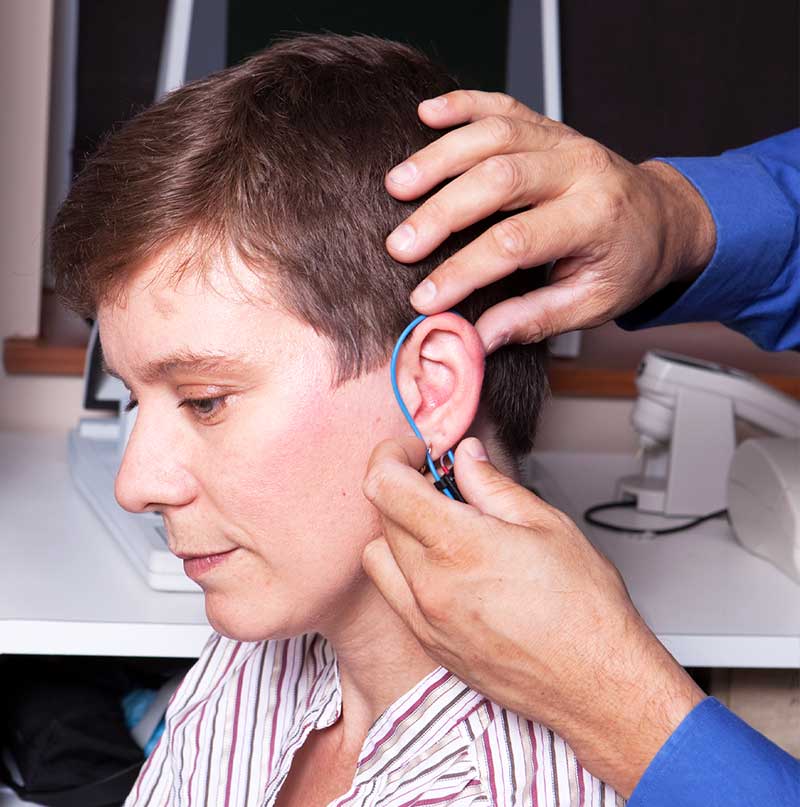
(195, 566)
(195, 555)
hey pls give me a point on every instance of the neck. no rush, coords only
(379, 657)
(379, 660)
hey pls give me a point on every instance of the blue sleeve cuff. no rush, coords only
(748, 283)
(714, 759)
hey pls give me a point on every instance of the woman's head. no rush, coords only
(231, 242)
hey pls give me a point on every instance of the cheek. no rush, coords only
(291, 481)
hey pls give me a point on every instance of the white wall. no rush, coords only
(586, 424)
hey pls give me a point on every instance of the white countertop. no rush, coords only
(710, 601)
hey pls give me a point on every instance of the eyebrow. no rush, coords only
(185, 361)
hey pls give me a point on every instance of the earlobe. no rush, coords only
(440, 372)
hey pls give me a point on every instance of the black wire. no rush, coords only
(588, 516)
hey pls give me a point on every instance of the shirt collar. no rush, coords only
(416, 721)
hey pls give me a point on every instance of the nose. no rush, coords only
(153, 474)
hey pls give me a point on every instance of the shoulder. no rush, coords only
(522, 762)
(220, 661)
(233, 693)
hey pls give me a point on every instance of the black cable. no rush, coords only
(589, 518)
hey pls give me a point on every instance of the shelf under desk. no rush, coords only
(67, 588)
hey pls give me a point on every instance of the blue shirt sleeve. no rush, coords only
(713, 759)
(752, 283)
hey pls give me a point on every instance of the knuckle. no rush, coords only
(562, 522)
(376, 481)
(437, 603)
(503, 173)
(512, 238)
(593, 155)
(446, 552)
(607, 206)
(449, 271)
(547, 327)
(433, 212)
(546, 519)
(501, 129)
(521, 317)
(507, 103)
(470, 95)
(468, 101)
(458, 275)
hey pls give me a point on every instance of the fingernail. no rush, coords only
(475, 449)
(424, 293)
(369, 487)
(497, 341)
(403, 174)
(435, 104)
(402, 239)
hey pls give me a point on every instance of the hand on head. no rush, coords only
(507, 593)
(617, 232)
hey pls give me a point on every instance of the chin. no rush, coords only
(236, 620)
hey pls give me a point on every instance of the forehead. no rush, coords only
(223, 308)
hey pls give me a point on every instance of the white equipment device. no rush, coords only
(764, 500)
(96, 447)
(685, 418)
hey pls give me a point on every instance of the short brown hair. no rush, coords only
(283, 157)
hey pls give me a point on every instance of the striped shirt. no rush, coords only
(245, 708)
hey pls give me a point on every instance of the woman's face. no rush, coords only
(242, 444)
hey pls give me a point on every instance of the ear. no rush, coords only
(440, 375)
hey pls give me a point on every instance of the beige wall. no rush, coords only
(25, 27)
(24, 78)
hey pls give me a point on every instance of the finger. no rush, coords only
(552, 230)
(504, 182)
(408, 550)
(460, 106)
(557, 308)
(457, 151)
(492, 492)
(404, 497)
(380, 564)
(410, 451)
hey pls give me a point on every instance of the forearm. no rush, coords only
(641, 696)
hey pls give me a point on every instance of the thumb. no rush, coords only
(491, 491)
(537, 315)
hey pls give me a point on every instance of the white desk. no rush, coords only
(66, 588)
(711, 602)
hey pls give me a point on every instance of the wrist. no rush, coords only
(689, 230)
(645, 696)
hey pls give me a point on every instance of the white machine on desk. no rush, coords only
(691, 466)
(96, 447)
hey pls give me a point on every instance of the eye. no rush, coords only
(205, 408)
(132, 404)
